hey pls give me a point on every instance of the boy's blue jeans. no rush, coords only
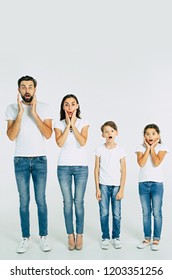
(108, 194)
(65, 176)
(25, 167)
(151, 195)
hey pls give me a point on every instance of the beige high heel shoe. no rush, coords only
(79, 242)
(71, 241)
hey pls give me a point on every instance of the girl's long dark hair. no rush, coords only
(62, 111)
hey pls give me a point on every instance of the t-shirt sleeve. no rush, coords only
(11, 113)
(98, 151)
(140, 148)
(122, 153)
(48, 115)
(59, 124)
(163, 147)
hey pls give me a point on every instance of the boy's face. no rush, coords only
(151, 136)
(109, 133)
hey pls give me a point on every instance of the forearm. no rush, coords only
(79, 137)
(13, 130)
(44, 129)
(62, 139)
(155, 158)
(142, 161)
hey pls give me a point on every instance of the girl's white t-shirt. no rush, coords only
(72, 153)
(150, 172)
(110, 167)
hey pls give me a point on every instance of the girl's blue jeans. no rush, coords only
(108, 194)
(78, 174)
(151, 195)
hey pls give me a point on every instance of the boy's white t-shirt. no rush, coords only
(72, 153)
(110, 168)
(29, 141)
(150, 172)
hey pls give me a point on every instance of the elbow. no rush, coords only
(48, 135)
(10, 137)
(141, 164)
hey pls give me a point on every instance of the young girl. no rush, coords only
(71, 135)
(149, 157)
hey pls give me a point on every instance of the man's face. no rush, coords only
(27, 91)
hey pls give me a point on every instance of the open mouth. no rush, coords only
(110, 137)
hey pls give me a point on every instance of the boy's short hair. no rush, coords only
(111, 124)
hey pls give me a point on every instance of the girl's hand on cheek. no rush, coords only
(146, 144)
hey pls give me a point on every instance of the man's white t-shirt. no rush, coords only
(110, 166)
(30, 141)
(72, 153)
(150, 172)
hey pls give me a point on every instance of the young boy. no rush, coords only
(110, 175)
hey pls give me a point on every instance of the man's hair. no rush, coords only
(27, 78)
(111, 124)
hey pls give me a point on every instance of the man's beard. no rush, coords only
(27, 97)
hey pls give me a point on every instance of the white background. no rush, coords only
(116, 57)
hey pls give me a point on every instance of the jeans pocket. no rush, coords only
(42, 158)
(17, 160)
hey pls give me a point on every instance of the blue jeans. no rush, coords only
(151, 195)
(80, 176)
(25, 167)
(108, 193)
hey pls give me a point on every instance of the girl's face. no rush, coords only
(70, 105)
(151, 136)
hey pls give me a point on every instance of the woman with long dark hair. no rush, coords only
(71, 134)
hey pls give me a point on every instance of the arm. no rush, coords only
(96, 177)
(13, 126)
(45, 126)
(81, 137)
(120, 194)
(142, 157)
(156, 158)
(61, 137)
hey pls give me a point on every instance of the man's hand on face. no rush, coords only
(19, 102)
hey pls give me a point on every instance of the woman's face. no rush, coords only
(70, 105)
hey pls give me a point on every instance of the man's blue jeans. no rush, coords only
(80, 175)
(151, 195)
(25, 167)
(108, 193)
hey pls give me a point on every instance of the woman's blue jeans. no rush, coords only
(80, 175)
(151, 195)
(25, 167)
(108, 194)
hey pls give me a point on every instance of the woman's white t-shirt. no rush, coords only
(110, 166)
(72, 153)
(150, 172)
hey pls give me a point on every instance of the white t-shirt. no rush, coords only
(150, 172)
(72, 154)
(110, 168)
(30, 141)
